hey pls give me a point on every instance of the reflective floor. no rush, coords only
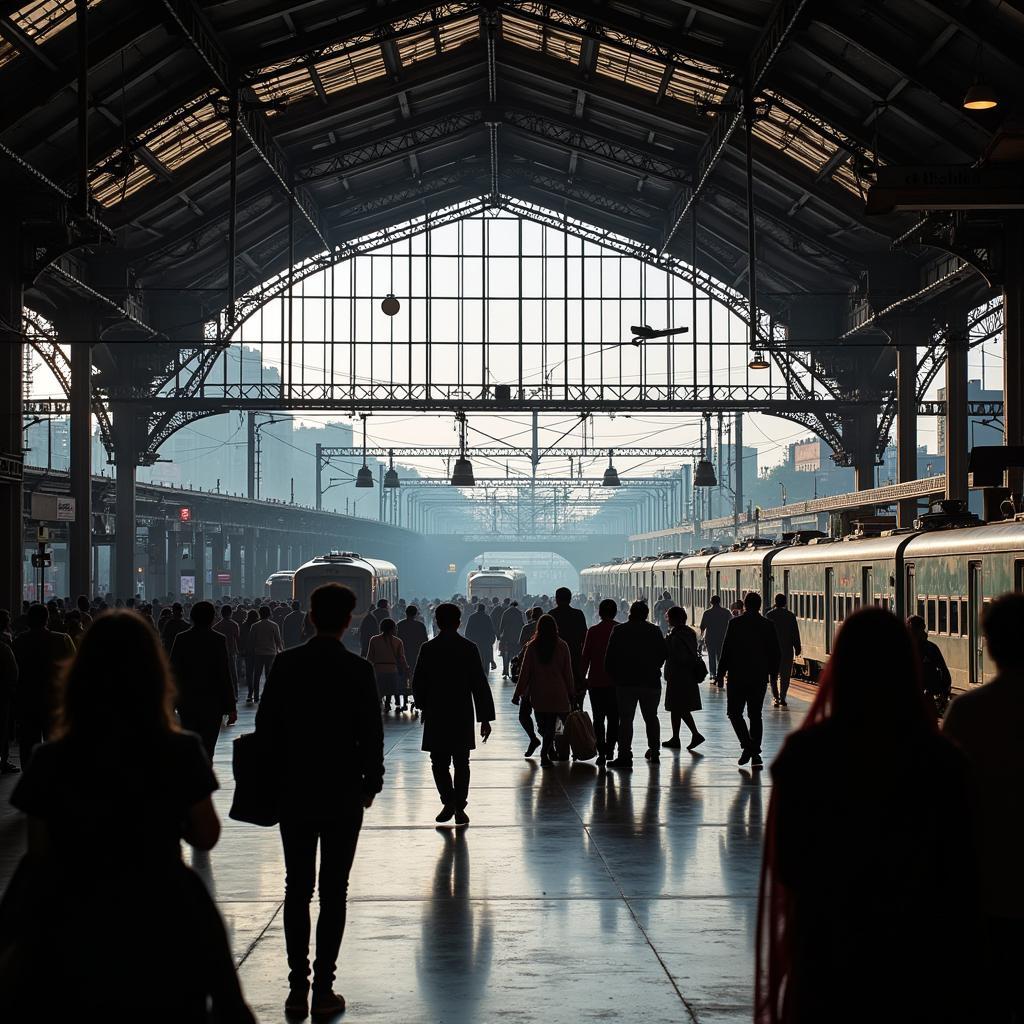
(574, 895)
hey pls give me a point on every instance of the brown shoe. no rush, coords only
(327, 1004)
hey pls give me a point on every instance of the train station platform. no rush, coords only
(574, 894)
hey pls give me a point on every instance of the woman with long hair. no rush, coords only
(546, 680)
(866, 909)
(106, 919)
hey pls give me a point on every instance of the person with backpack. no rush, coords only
(684, 672)
(546, 679)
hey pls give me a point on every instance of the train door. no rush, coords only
(974, 606)
(785, 584)
(739, 594)
(866, 594)
(830, 620)
(718, 582)
(1018, 575)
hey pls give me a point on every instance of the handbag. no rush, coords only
(256, 800)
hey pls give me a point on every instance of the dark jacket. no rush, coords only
(448, 683)
(636, 652)
(172, 627)
(572, 628)
(412, 633)
(291, 628)
(40, 653)
(787, 629)
(681, 664)
(321, 715)
(480, 631)
(199, 658)
(750, 651)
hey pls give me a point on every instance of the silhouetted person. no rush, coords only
(264, 645)
(480, 631)
(713, 624)
(41, 654)
(750, 656)
(512, 622)
(320, 711)
(368, 629)
(546, 679)
(228, 628)
(412, 631)
(867, 883)
(448, 685)
(661, 608)
(604, 703)
(682, 686)
(122, 929)
(387, 656)
(248, 658)
(787, 631)
(572, 628)
(525, 707)
(202, 671)
(987, 724)
(84, 610)
(8, 691)
(173, 626)
(935, 677)
(291, 626)
(496, 613)
(636, 652)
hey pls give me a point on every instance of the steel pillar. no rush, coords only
(906, 416)
(11, 438)
(251, 587)
(956, 410)
(80, 531)
(199, 561)
(236, 589)
(217, 590)
(126, 456)
(156, 566)
(1013, 350)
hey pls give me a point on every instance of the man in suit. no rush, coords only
(787, 629)
(321, 713)
(206, 690)
(572, 628)
(448, 684)
(750, 657)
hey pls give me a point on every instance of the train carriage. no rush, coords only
(370, 579)
(500, 581)
(736, 572)
(278, 586)
(667, 576)
(949, 576)
(695, 583)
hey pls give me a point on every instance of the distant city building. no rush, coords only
(981, 430)
(805, 456)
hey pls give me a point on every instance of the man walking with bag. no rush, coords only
(321, 714)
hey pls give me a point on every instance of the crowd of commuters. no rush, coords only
(890, 841)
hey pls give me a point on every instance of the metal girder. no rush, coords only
(252, 121)
(540, 482)
(508, 451)
(772, 39)
(975, 407)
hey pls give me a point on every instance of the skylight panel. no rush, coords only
(40, 20)
(629, 68)
(541, 39)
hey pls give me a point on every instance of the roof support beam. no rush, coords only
(252, 121)
(769, 45)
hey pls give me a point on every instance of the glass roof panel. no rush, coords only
(40, 20)
(629, 68)
(540, 38)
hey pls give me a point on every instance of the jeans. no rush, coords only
(526, 718)
(452, 795)
(337, 838)
(604, 705)
(259, 665)
(714, 648)
(648, 697)
(748, 695)
(780, 679)
(205, 726)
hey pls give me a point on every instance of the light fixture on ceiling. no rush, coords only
(390, 305)
(391, 477)
(980, 96)
(704, 474)
(462, 473)
(758, 360)
(611, 474)
(364, 478)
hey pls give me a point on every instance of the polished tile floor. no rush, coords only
(574, 895)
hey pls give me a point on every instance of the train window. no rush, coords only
(943, 624)
(963, 618)
(920, 607)
(931, 614)
(885, 603)
(849, 605)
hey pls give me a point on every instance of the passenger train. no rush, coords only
(370, 579)
(279, 585)
(944, 574)
(498, 581)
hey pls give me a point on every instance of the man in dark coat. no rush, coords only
(448, 684)
(40, 653)
(291, 627)
(750, 657)
(173, 626)
(480, 631)
(368, 629)
(512, 622)
(206, 691)
(572, 628)
(321, 715)
(787, 629)
(636, 652)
